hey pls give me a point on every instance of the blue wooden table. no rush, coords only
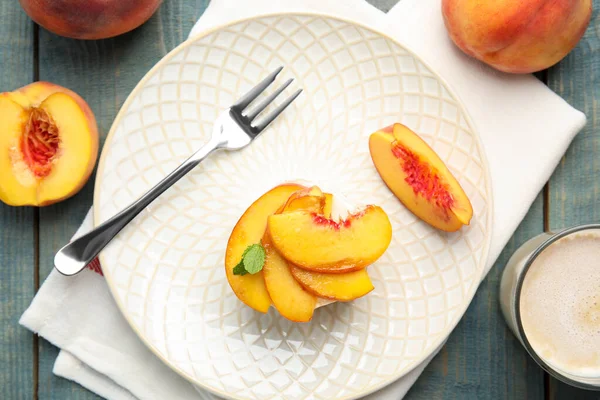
(481, 360)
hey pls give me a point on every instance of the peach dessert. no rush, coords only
(419, 178)
(48, 144)
(287, 251)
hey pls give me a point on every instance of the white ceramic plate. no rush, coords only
(166, 270)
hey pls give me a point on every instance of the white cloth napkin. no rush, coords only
(525, 129)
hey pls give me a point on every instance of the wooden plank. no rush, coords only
(574, 192)
(482, 358)
(104, 72)
(17, 246)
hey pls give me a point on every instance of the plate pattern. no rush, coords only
(166, 270)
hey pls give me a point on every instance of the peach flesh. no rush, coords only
(315, 243)
(423, 180)
(39, 143)
(249, 230)
(424, 184)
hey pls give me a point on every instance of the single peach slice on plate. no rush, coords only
(48, 144)
(249, 230)
(316, 243)
(419, 178)
(341, 287)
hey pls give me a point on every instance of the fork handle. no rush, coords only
(74, 257)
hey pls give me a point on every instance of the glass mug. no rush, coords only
(511, 294)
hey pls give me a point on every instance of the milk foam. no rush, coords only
(560, 305)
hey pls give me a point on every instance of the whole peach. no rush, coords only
(90, 19)
(517, 36)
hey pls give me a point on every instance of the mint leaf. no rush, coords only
(239, 269)
(246, 252)
(254, 258)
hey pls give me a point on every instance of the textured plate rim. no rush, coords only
(189, 42)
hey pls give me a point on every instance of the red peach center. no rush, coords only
(346, 223)
(39, 143)
(422, 177)
(322, 220)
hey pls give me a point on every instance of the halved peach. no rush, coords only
(48, 144)
(316, 243)
(249, 230)
(419, 178)
(341, 287)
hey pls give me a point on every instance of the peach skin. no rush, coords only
(90, 19)
(419, 178)
(517, 36)
(48, 144)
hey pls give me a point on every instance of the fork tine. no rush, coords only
(275, 113)
(246, 99)
(268, 100)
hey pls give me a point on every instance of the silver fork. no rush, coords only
(233, 130)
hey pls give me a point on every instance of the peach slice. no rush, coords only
(419, 178)
(341, 287)
(328, 207)
(48, 144)
(308, 199)
(249, 230)
(288, 296)
(316, 243)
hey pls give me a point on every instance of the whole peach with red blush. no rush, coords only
(517, 36)
(90, 19)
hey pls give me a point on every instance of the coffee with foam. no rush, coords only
(560, 305)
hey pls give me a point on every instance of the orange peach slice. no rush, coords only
(249, 230)
(288, 296)
(328, 207)
(316, 243)
(419, 178)
(48, 144)
(308, 199)
(341, 287)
